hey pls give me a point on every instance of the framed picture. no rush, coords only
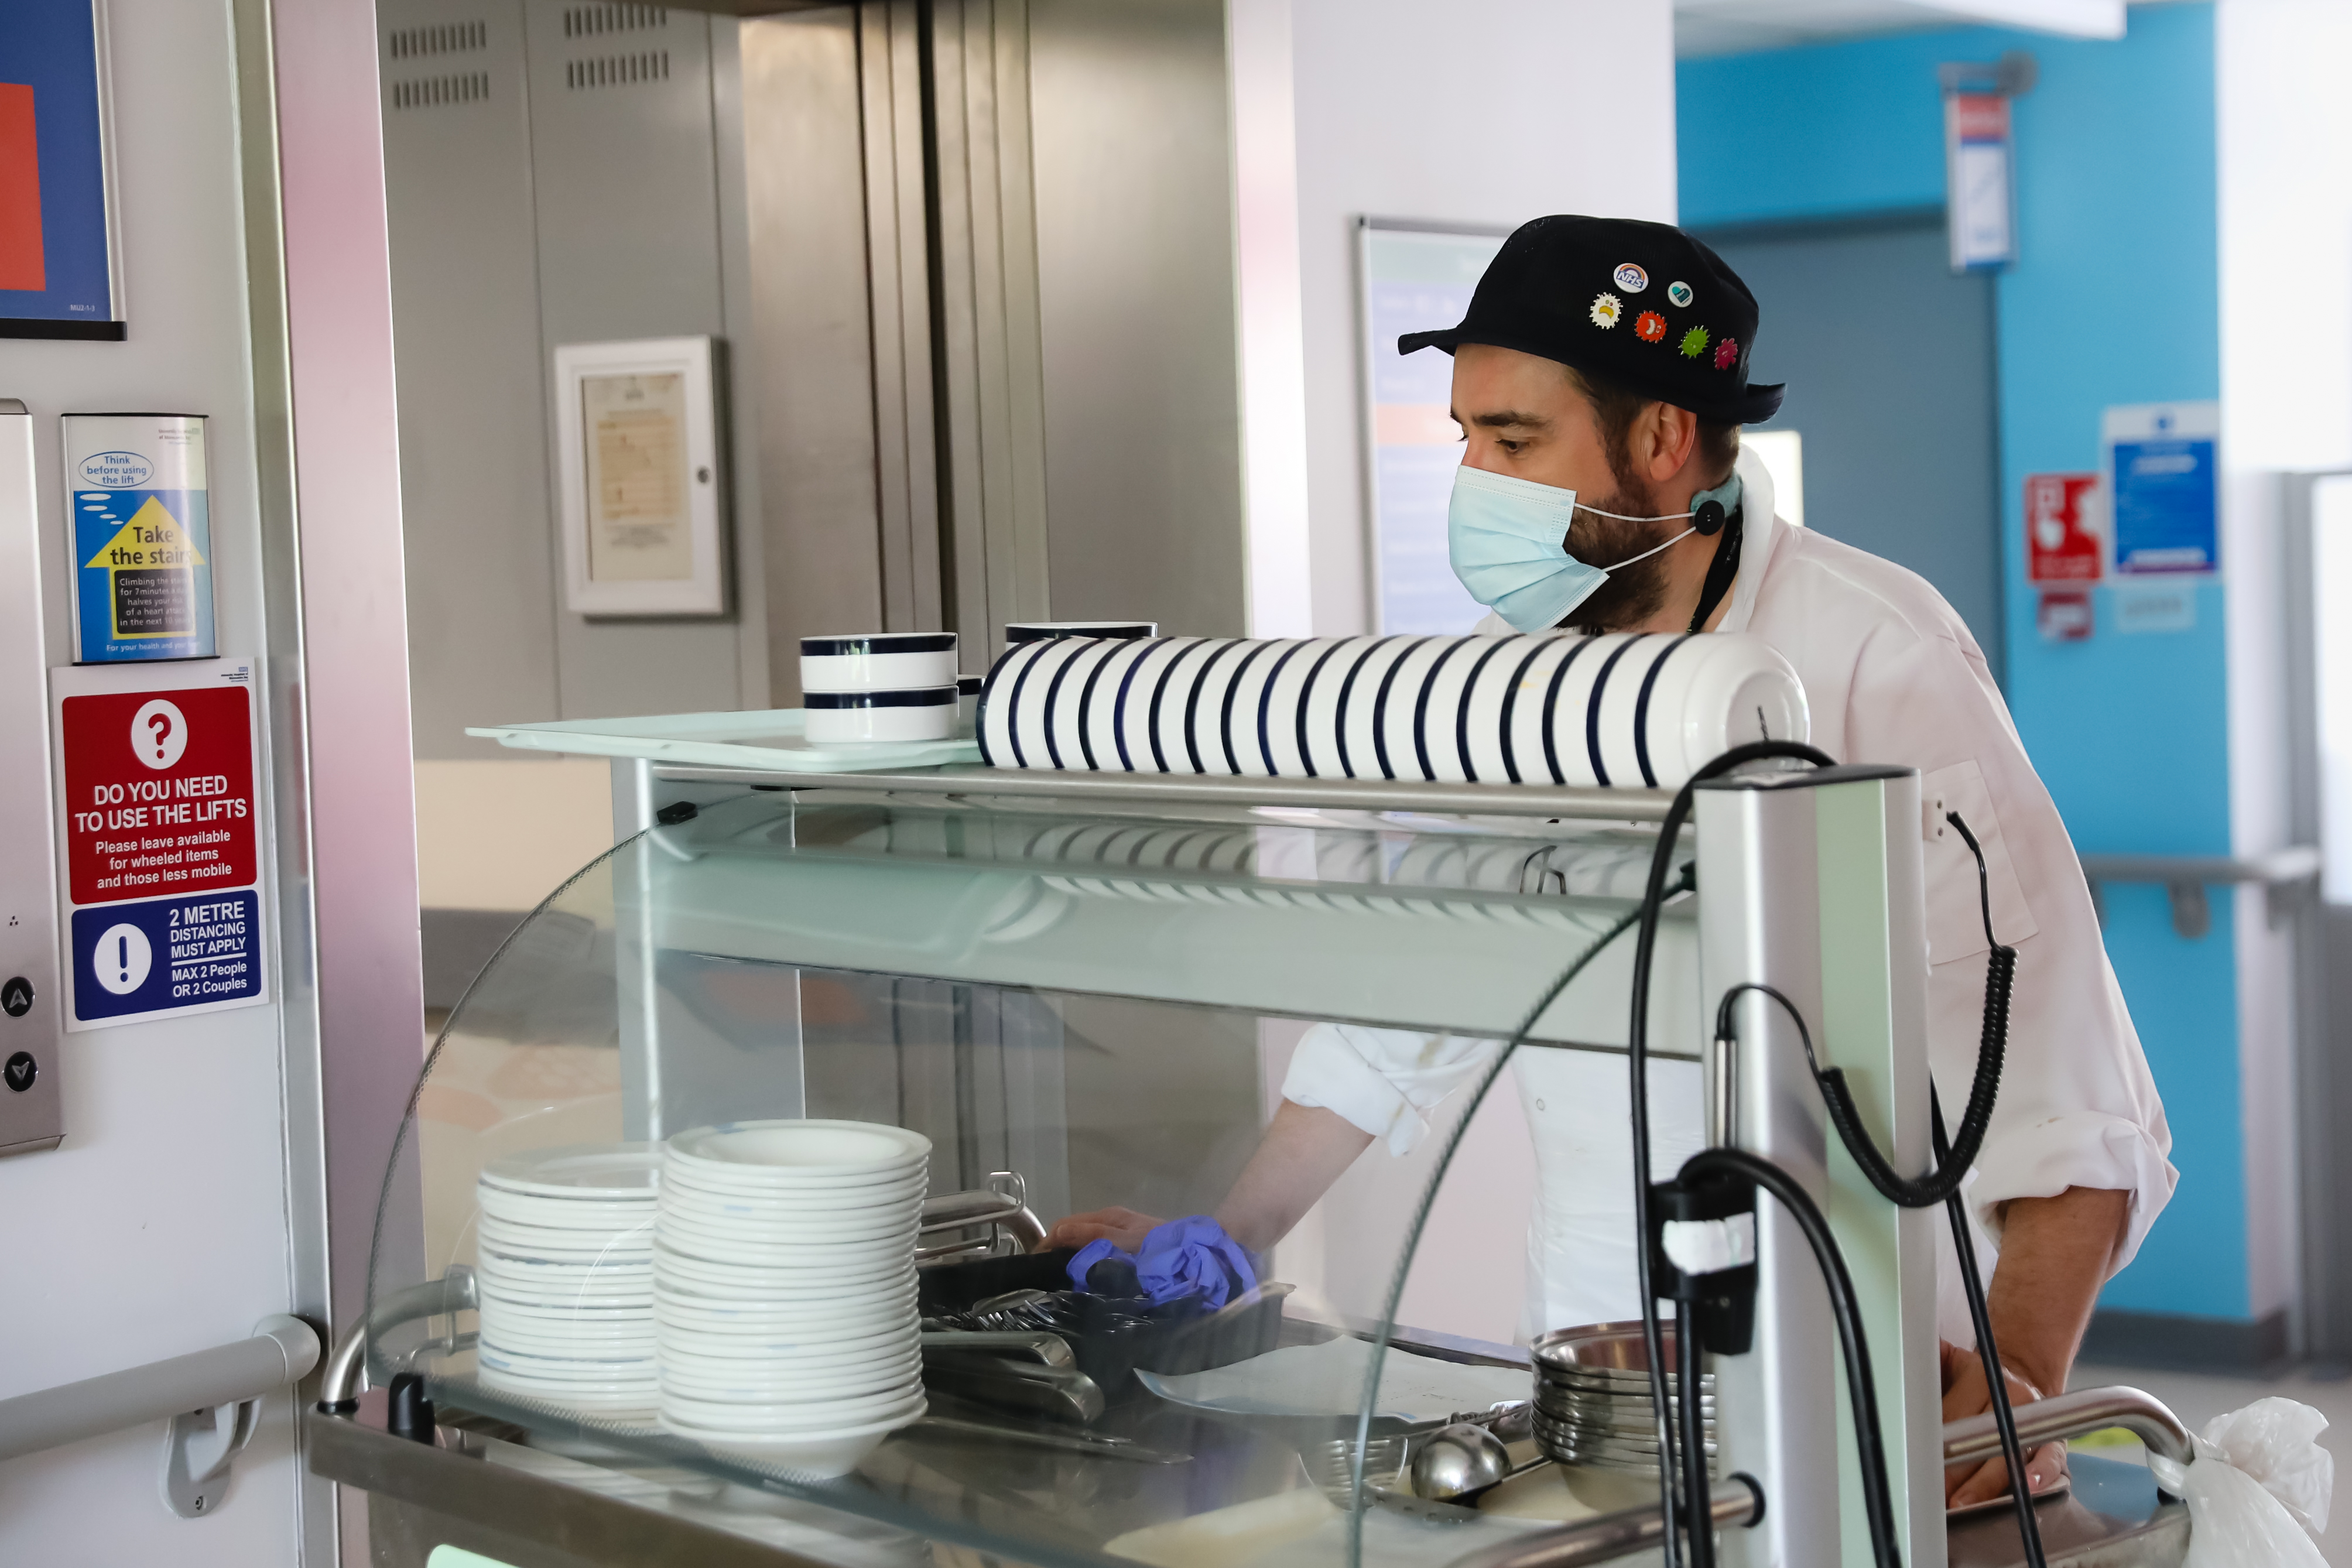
(58, 275)
(637, 441)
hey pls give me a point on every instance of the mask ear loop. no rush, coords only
(1710, 510)
(1669, 544)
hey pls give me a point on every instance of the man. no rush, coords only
(1610, 359)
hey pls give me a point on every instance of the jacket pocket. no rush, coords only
(1955, 909)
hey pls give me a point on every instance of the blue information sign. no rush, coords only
(2165, 513)
(166, 954)
(2162, 462)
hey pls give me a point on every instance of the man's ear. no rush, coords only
(1669, 435)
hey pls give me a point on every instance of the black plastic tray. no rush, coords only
(1111, 1347)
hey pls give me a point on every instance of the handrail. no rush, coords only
(2185, 877)
(2072, 1415)
(1210, 789)
(283, 1351)
(2294, 863)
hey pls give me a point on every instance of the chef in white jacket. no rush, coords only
(1600, 375)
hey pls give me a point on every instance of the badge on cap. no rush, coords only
(1727, 353)
(1630, 278)
(1651, 327)
(1695, 342)
(1680, 293)
(1606, 309)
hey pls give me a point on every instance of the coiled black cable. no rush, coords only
(1637, 1068)
(1952, 1167)
(1999, 972)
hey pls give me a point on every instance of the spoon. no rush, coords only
(1457, 1462)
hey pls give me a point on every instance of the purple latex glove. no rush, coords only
(1089, 1254)
(1192, 1256)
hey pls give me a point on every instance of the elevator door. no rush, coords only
(1889, 363)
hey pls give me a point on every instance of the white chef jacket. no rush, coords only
(1891, 675)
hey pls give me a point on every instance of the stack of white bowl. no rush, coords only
(784, 1288)
(564, 1264)
(878, 685)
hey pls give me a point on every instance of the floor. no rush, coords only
(2196, 1398)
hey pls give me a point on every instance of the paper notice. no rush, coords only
(638, 527)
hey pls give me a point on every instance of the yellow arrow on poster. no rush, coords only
(149, 564)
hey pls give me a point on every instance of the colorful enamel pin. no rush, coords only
(1680, 293)
(1651, 327)
(1606, 309)
(1695, 342)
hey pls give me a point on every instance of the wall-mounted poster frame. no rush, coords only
(641, 488)
(60, 276)
(1413, 276)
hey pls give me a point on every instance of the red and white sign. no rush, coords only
(158, 793)
(2061, 531)
(159, 824)
(2064, 614)
(1980, 116)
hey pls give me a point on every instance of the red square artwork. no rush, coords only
(22, 265)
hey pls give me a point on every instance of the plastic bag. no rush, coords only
(2260, 1481)
(2276, 1441)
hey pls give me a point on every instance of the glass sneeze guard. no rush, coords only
(1073, 1011)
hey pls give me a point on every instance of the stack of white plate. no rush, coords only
(565, 1269)
(784, 1288)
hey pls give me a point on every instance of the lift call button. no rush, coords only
(16, 996)
(21, 1070)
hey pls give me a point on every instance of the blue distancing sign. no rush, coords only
(164, 954)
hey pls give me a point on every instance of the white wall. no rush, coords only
(2284, 146)
(1487, 111)
(160, 1226)
(503, 834)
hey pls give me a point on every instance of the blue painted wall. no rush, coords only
(2115, 300)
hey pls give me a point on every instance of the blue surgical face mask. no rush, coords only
(1508, 541)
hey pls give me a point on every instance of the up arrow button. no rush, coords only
(16, 997)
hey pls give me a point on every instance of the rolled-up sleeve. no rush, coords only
(1382, 1080)
(2077, 1107)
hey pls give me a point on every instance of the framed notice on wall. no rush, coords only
(1412, 277)
(58, 277)
(640, 490)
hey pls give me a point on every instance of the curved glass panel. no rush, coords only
(615, 1242)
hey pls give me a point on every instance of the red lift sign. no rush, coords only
(158, 793)
(160, 828)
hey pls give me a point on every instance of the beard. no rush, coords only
(1633, 593)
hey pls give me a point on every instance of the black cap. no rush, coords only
(1640, 303)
